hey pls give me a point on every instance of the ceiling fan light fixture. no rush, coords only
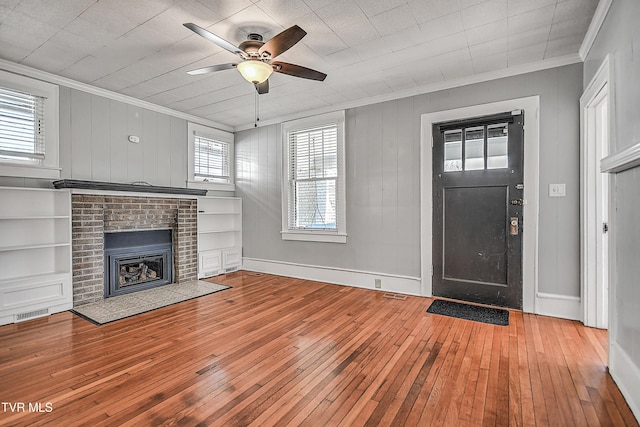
(255, 71)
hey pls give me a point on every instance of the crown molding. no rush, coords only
(594, 27)
(464, 81)
(477, 78)
(34, 73)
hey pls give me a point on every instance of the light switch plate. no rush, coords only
(557, 190)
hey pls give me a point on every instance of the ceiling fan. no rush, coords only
(257, 57)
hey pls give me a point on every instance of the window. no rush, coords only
(28, 127)
(313, 179)
(484, 147)
(210, 158)
(21, 127)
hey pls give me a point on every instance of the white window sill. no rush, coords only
(314, 236)
(213, 186)
(28, 171)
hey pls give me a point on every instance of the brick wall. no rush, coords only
(93, 215)
(186, 261)
(87, 241)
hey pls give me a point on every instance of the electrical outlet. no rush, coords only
(378, 283)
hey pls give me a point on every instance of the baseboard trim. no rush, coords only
(626, 375)
(339, 276)
(555, 305)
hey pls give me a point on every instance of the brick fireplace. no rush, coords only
(93, 215)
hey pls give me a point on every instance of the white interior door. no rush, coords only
(601, 114)
(595, 200)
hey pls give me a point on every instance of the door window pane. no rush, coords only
(453, 150)
(497, 155)
(474, 148)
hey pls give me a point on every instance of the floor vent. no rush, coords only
(395, 296)
(254, 273)
(31, 314)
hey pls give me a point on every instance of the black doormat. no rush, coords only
(494, 316)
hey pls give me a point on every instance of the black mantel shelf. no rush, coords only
(114, 186)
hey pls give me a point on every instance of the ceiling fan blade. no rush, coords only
(211, 69)
(283, 41)
(215, 39)
(262, 87)
(298, 71)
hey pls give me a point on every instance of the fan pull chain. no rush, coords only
(257, 110)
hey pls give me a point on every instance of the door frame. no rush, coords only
(531, 107)
(593, 201)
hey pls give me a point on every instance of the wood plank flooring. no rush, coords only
(275, 351)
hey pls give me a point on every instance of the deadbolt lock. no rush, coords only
(517, 202)
(513, 226)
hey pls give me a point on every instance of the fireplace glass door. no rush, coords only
(137, 260)
(139, 270)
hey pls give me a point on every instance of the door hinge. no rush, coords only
(605, 227)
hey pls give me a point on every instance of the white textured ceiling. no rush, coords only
(368, 48)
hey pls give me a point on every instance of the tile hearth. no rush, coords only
(122, 306)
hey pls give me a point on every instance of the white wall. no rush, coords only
(94, 145)
(620, 38)
(383, 181)
(382, 194)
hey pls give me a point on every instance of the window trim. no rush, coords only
(339, 236)
(218, 135)
(50, 167)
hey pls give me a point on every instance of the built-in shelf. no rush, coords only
(27, 247)
(35, 277)
(233, 230)
(219, 235)
(30, 218)
(35, 253)
(218, 213)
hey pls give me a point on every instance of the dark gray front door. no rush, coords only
(477, 209)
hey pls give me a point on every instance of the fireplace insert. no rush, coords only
(137, 260)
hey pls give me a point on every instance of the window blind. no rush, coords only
(21, 126)
(313, 177)
(211, 159)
